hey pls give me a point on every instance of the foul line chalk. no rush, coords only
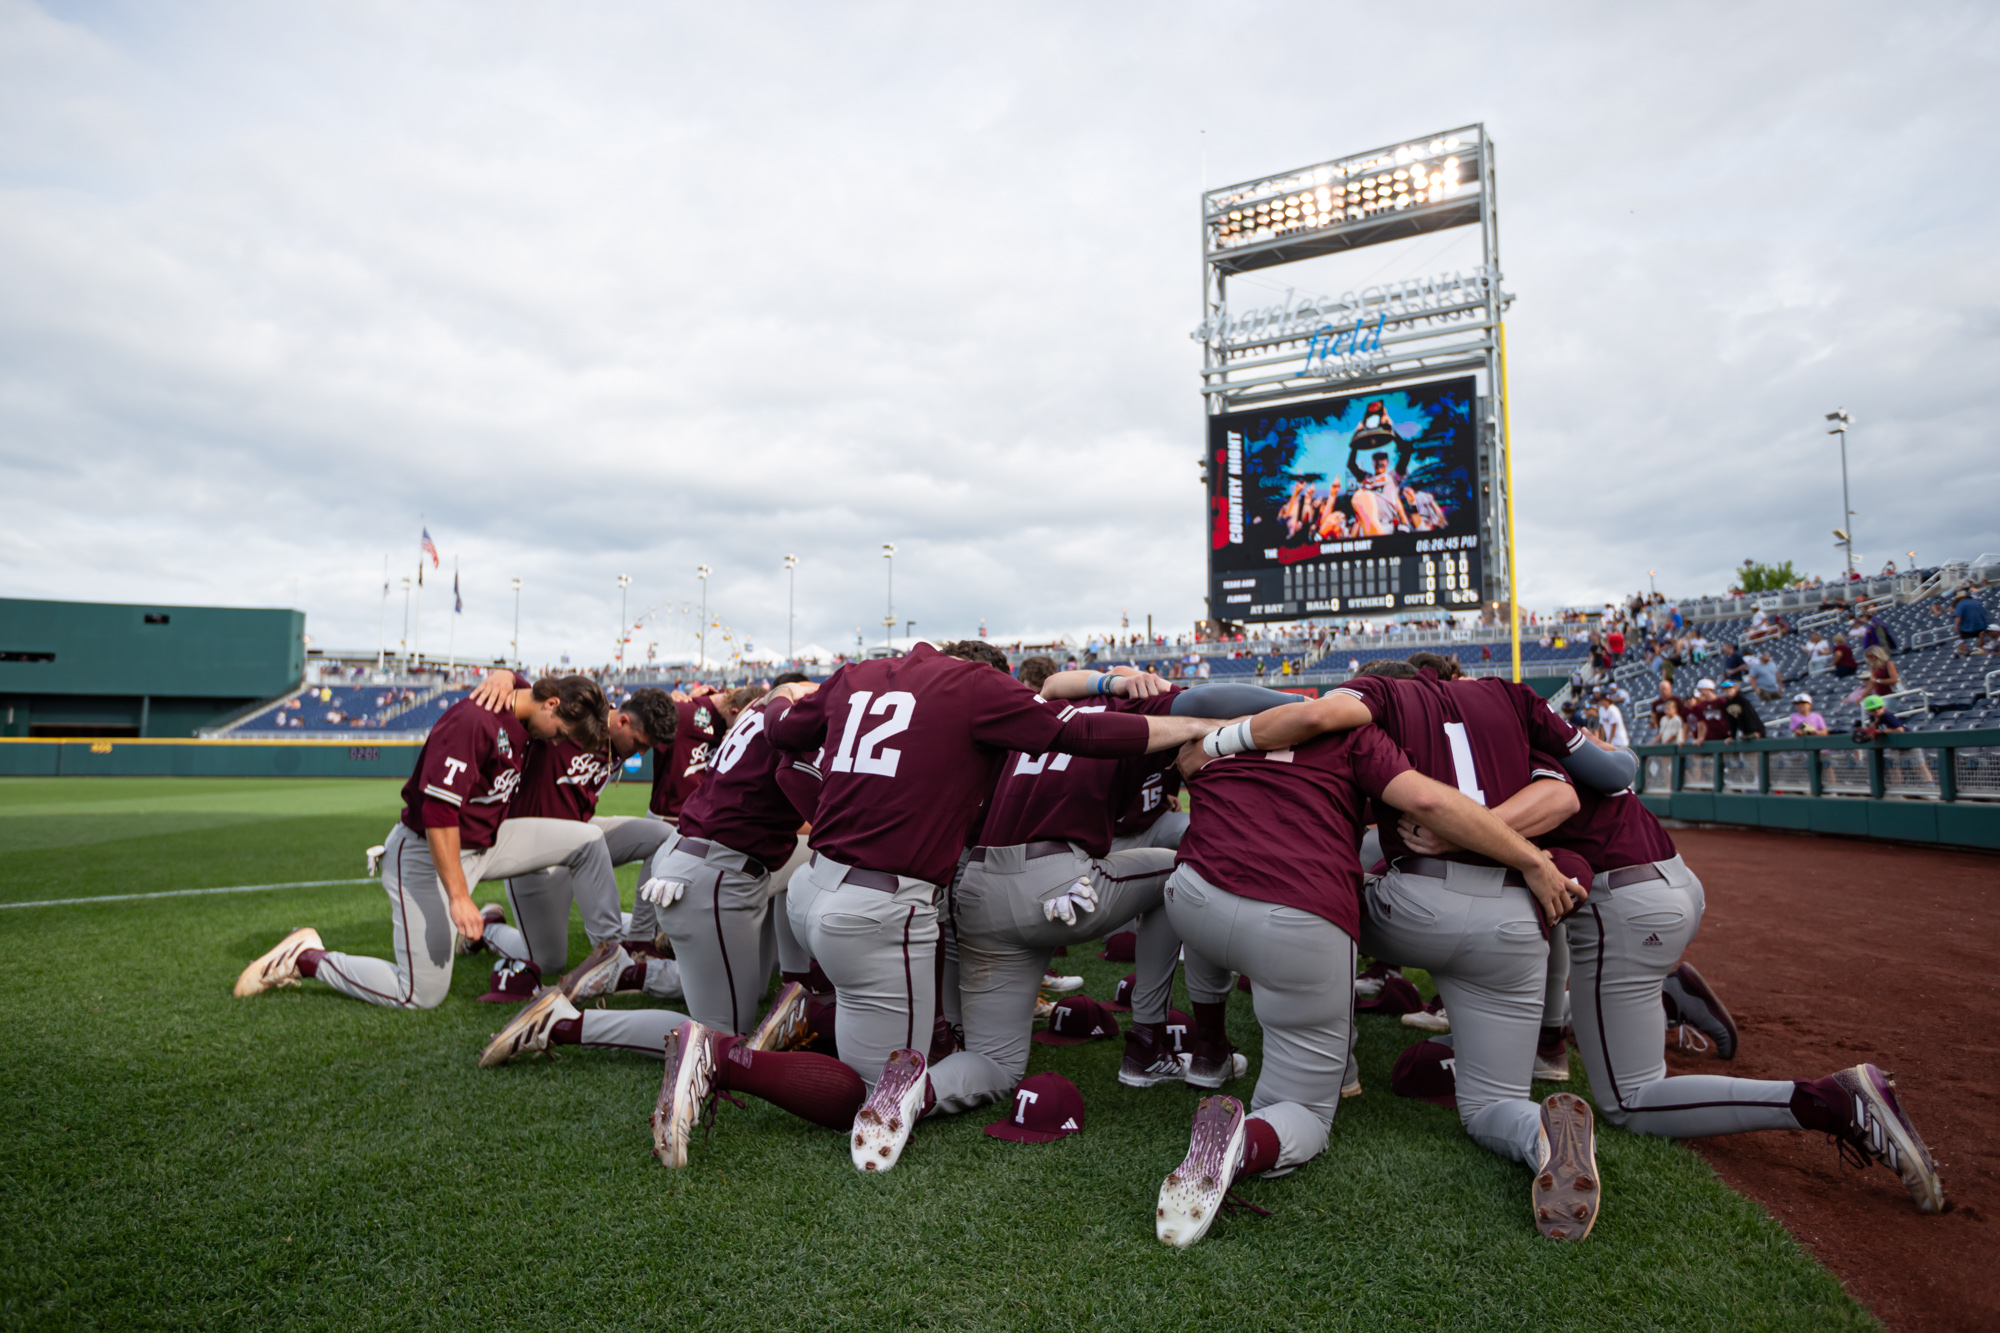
(186, 893)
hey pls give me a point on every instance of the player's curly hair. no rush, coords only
(580, 707)
(654, 712)
(976, 650)
(740, 699)
(1447, 668)
(791, 678)
(1035, 670)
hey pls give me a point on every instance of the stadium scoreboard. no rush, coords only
(1360, 503)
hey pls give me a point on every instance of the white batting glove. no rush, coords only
(1064, 906)
(662, 892)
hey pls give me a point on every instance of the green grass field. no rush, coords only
(178, 1158)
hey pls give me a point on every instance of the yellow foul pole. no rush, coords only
(1507, 440)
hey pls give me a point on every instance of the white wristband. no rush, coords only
(1232, 739)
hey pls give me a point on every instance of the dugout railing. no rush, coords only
(1933, 786)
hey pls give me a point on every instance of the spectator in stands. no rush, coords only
(1201, 672)
(1704, 714)
(1884, 677)
(1664, 700)
(1758, 619)
(1764, 674)
(1697, 646)
(1614, 646)
(1843, 658)
(1876, 719)
(1975, 631)
(1611, 722)
(1668, 725)
(1739, 714)
(1805, 719)
(1734, 666)
(1817, 651)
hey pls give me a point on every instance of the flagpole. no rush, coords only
(417, 638)
(382, 627)
(451, 639)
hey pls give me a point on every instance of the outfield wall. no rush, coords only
(124, 758)
(1932, 786)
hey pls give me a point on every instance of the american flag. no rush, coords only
(430, 548)
(457, 602)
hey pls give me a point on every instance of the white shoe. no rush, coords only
(1348, 1090)
(375, 860)
(1552, 1068)
(684, 1091)
(1428, 1021)
(1061, 985)
(1239, 1065)
(1368, 985)
(885, 1120)
(280, 964)
(1193, 1192)
(494, 915)
(528, 1031)
(597, 975)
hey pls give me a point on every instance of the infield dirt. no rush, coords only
(1830, 952)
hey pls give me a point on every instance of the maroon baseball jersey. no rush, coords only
(1066, 798)
(1284, 826)
(678, 766)
(1608, 831)
(466, 773)
(1146, 800)
(561, 780)
(909, 748)
(1474, 735)
(1705, 721)
(741, 804)
(798, 777)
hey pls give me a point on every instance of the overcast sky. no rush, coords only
(602, 289)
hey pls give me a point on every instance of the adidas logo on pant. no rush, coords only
(1653, 940)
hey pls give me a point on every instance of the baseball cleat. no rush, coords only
(1691, 1000)
(279, 966)
(1566, 1188)
(1212, 1064)
(784, 1024)
(1687, 1038)
(1878, 1130)
(375, 860)
(1059, 984)
(528, 1031)
(597, 975)
(689, 1082)
(883, 1124)
(1044, 1006)
(1193, 1192)
(1429, 1020)
(1149, 1060)
(1551, 1057)
(494, 915)
(1348, 1090)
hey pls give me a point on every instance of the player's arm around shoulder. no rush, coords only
(1289, 728)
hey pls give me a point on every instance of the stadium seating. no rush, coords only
(344, 709)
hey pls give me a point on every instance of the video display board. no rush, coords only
(1358, 504)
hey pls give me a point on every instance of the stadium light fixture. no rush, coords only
(889, 613)
(702, 572)
(624, 582)
(1841, 421)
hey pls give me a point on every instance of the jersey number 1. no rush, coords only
(1462, 767)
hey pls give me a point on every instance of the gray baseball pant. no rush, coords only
(879, 948)
(420, 916)
(792, 955)
(639, 1031)
(718, 929)
(1555, 992)
(1005, 940)
(1480, 940)
(644, 925)
(1167, 831)
(540, 901)
(1301, 970)
(1623, 943)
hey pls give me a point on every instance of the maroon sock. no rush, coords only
(1260, 1147)
(1812, 1106)
(633, 977)
(567, 1032)
(1208, 1019)
(812, 1087)
(803, 978)
(308, 962)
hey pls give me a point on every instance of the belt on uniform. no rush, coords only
(701, 847)
(1619, 878)
(1032, 851)
(867, 879)
(1436, 869)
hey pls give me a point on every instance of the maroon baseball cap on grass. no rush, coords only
(1122, 947)
(1076, 1020)
(513, 982)
(1424, 1071)
(1121, 996)
(1397, 996)
(1046, 1107)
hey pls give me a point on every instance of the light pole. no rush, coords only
(1845, 532)
(701, 572)
(382, 625)
(624, 582)
(515, 642)
(406, 621)
(889, 614)
(791, 604)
